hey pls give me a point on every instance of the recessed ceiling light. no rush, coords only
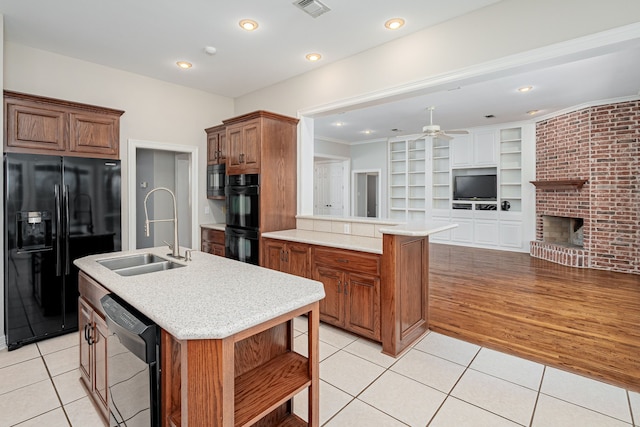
(184, 65)
(394, 24)
(313, 57)
(525, 89)
(248, 24)
(532, 112)
(367, 132)
(339, 124)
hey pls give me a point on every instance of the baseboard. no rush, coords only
(3, 342)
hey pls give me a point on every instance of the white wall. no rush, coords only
(373, 156)
(154, 110)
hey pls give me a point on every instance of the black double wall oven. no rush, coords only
(242, 218)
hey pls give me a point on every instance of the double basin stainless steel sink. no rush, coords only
(133, 265)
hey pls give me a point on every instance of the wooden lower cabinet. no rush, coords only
(212, 241)
(93, 355)
(352, 300)
(351, 281)
(288, 257)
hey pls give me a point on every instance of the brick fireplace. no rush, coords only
(588, 188)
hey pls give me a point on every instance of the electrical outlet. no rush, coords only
(347, 229)
(207, 211)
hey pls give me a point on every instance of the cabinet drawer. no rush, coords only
(347, 260)
(91, 291)
(212, 236)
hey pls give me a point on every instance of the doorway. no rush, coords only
(366, 193)
(330, 188)
(152, 165)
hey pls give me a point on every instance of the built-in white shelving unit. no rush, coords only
(407, 174)
(510, 189)
(441, 175)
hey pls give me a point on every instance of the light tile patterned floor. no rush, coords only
(440, 382)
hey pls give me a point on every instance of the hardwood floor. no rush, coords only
(581, 320)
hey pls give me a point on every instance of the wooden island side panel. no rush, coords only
(405, 291)
(247, 379)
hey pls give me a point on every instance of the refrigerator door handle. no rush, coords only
(65, 197)
(58, 203)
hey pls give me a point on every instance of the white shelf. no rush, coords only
(407, 171)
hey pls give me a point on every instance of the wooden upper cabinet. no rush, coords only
(35, 124)
(31, 127)
(91, 133)
(216, 145)
(244, 148)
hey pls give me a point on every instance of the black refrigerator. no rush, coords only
(56, 209)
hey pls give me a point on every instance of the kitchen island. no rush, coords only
(376, 275)
(226, 337)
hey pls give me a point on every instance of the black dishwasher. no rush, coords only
(133, 368)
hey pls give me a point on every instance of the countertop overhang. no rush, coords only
(359, 243)
(210, 298)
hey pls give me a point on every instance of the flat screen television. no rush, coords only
(475, 187)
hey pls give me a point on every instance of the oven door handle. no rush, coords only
(243, 191)
(249, 234)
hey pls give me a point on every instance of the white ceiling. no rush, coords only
(147, 37)
(574, 83)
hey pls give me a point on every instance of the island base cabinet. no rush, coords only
(352, 290)
(248, 379)
(93, 355)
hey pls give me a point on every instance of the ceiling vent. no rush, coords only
(311, 7)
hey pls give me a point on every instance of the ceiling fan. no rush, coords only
(435, 131)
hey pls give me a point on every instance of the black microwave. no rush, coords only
(215, 181)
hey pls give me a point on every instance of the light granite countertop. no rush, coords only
(214, 226)
(358, 243)
(418, 228)
(334, 240)
(210, 298)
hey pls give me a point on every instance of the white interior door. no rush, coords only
(329, 189)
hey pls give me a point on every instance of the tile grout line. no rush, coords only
(535, 405)
(55, 389)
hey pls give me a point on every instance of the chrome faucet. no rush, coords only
(175, 248)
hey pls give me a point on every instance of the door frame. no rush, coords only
(192, 151)
(378, 173)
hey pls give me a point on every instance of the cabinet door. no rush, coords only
(100, 353)
(298, 257)
(272, 254)
(234, 149)
(35, 128)
(217, 249)
(222, 147)
(461, 151)
(362, 301)
(251, 147)
(94, 134)
(84, 324)
(212, 148)
(484, 148)
(332, 306)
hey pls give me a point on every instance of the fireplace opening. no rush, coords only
(563, 231)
